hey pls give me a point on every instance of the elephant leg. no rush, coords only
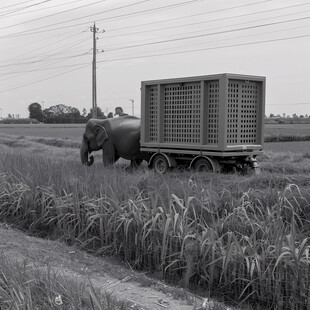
(109, 157)
(134, 164)
(138, 162)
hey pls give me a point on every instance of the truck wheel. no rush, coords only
(203, 165)
(160, 164)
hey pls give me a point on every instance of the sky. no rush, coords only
(46, 49)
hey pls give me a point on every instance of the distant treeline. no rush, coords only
(288, 120)
(8, 121)
(286, 138)
(60, 114)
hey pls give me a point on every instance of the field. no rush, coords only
(64, 131)
(241, 239)
(273, 133)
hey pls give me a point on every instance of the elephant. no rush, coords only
(117, 137)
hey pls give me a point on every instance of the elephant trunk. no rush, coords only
(84, 154)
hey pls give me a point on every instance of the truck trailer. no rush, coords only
(208, 123)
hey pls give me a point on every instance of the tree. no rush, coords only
(100, 114)
(35, 111)
(63, 114)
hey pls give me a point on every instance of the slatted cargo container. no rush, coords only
(221, 113)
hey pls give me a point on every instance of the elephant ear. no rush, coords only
(101, 135)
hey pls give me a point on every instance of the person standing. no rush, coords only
(119, 111)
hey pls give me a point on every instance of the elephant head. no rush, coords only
(93, 138)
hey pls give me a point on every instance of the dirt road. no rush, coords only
(122, 282)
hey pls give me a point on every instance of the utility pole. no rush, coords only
(132, 106)
(94, 30)
(94, 79)
(42, 108)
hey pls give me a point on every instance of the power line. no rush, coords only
(74, 19)
(162, 54)
(129, 57)
(209, 34)
(20, 9)
(8, 6)
(28, 32)
(187, 16)
(210, 21)
(45, 8)
(44, 58)
(42, 79)
(206, 49)
(42, 69)
(16, 58)
(54, 14)
(36, 61)
(195, 32)
(151, 43)
(228, 39)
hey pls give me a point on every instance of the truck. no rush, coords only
(208, 123)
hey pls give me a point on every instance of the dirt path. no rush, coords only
(104, 274)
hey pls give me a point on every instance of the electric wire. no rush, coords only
(36, 61)
(24, 8)
(163, 54)
(182, 38)
(42, 47)
(42, 79)
(54, 14)
(214, 28)
(210, 21)
(42, 59)
(140, 56)
(208, 48)
(78, 18)
(209, 34)
(227, 39)
(179, 52)
(127, 15)
(191, 15)
(182, 17)
(45, 8)
(8, 6)
(43, 69)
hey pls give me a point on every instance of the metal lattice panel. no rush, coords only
(153, 106)
(242, 112)
(233, 113)
(249, 105)
(182, 113)
(213, 112)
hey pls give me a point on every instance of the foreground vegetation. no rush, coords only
(22, 286)
(243, 239)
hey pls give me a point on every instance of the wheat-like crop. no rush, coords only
(244, 238)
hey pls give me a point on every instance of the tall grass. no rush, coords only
(243, 238)
(23, 286)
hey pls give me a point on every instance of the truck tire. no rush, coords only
(160, 164)
(203, 165)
